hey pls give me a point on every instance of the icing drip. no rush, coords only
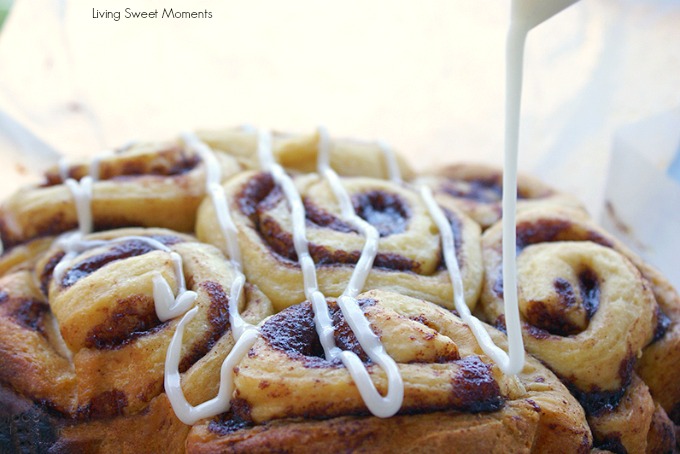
(243, 332)
(393, 171)
(526, 14)
(64, 165)
(63, 168)
(187, 413)
(166, 303)
(322, 318)
(82, 196)
(378, 405)
(511, 363)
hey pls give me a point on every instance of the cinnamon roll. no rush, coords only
(409, 257)
(315, 309)
(477, 190)
(81, 332)
(589, 314)
(299, 153)
(289, 397)
(147, 185)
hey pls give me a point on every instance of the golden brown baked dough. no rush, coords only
(88, 344)
(455, 398)
(298, 153)
(83, 353)
(477, 190)
(409, 260)
(147, 184)
(588, 313)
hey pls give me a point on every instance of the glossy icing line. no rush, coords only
(322, 318)
(82, 197)
(167, 305)
(382, 406)
(244, 333)
(510, 363)
(393, 171)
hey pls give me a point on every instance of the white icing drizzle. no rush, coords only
(167, 305)
(96, 161)
(63, 165)
(526, 14)
(510, 363)
(322, 318)
(378, 405)
(243, 332)
(82, 196)
(187, 413)
(393, 171)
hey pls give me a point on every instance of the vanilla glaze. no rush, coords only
(525, 15)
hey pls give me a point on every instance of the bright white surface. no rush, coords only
(427, 78)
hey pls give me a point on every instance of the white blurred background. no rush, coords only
(425, 76)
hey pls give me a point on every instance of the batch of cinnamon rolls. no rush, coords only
(242, 291)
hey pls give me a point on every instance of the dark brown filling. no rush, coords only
(26, 312)
(551, 230)
(121, 251)
(663, 321)
(597, 401)
(253, 192)
(259, 194)
(106, 404)
(484, 190)
(474, 388)
(228, 423)
(675, 414)
(133, 317)
(132, 248)
(323, 218)
(168, 163)
(610, 442)
(555, 318)
(387, 212)
(218, 318)
(293, 332)
(31, 315)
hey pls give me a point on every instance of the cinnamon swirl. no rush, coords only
(477, 190)
(589, 313)
(146, 184)
(455, 398)
(409, 258)
(82, 336)
(328, 300)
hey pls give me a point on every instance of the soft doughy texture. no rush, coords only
(81, 357)
(477, 190)
(455, 398)
(149, 185)
(409, 258)
(588, 313)
(298, 153)
(89, 345)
